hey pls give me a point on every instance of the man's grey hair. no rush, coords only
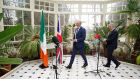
(113, 25)
(78, 21)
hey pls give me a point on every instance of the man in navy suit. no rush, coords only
(111, 44)
(78, 44)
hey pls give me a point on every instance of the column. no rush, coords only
(1, 22)
(56, 18)
(32, 4)
(103, 19)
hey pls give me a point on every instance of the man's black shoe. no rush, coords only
(84, 65)
(42, 66)
(117, 65)
(106, 65)
(68, 67)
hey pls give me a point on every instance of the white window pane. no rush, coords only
(84, 6)
(97, 6)
(98, 19)
(75, 6)
(84, 10)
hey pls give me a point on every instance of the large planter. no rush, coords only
(133, 57)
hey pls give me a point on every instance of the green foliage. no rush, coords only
(4, 60)
(120, 26)
(10, 33)
(86, 48)
(133, 31)
(65, 33)
(29, 32)
(103, 31)
(29, 48)
(138, 60)
(133, 5)
(131, 8)
(4, 37)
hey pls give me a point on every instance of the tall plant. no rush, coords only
(132, 8)
(6, 35)
(29, 47)
(132, 30)
(65, 33)
(133, 11)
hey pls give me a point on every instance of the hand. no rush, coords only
(75, 40)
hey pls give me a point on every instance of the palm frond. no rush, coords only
(10, 33)
(133, 31)
(28, 32)
(4, 60)
(29, 49)
(125, 11)
(133, 5)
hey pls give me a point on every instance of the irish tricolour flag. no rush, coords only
(43, 49)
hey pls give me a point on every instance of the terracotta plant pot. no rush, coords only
(7, 66)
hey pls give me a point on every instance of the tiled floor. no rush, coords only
(30, 70)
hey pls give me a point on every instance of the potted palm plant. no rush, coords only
(133, 12)
(4, 37)
(132, 32)
(65, 34)
(29, 47)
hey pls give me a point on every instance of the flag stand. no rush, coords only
(55, 66)
(97, 71)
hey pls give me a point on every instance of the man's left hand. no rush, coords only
(75, 40)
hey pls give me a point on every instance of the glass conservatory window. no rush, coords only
(48, 6)
(12, 17)
(17, 3)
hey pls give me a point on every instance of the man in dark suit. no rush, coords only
(78, 44)
(111, 43)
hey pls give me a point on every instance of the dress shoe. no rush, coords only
(117, 65)
(84, 65)
(106, 65)
(68, 67)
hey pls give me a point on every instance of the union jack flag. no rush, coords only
(59, 52)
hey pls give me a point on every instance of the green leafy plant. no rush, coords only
(86, 48)
(5, 36)
(132, 8)
(65, 33)
(138, 60)
(10, 33)
(29, 48)
(133, 31)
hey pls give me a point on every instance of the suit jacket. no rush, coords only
(112, 39)
(80, 36)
